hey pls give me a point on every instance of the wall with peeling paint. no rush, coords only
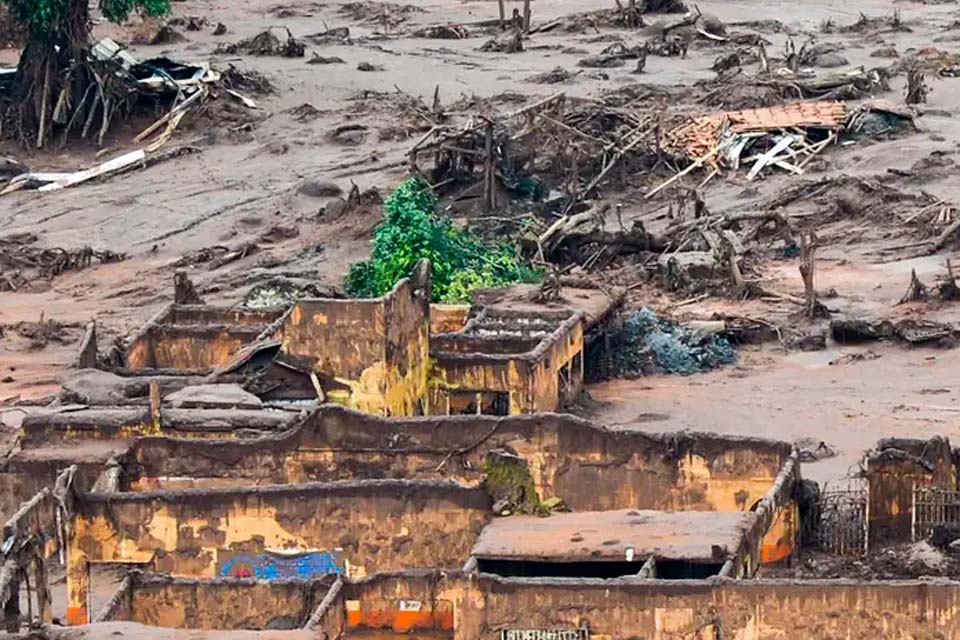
(675, 610)
(466, 607)
(527, 370)
(195, 337)
(376, 351)
(373, 526)
(591, 467)
(742, 610)
(164, 601)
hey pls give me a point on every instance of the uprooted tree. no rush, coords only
(57, 82)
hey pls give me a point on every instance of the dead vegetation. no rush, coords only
(46, 330)
(266, 43)
(23, 265)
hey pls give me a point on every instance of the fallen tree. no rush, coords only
(58, 83)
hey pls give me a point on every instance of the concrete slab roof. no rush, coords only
(598, 536)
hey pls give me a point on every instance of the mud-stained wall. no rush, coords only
(376, 352)
(464, 367)
(590, 467)
(894, 469)
(194, 337)
(407, 603)
(116, 424)
(448, 318)
(163, 601)
(745, 610)
(407, 352)
(466, 607)
(188, 348)
(355, 528)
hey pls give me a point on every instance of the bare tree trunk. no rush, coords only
(503, 14)
(808, 249)
(526, 15)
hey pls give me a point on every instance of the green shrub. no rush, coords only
(411, 230)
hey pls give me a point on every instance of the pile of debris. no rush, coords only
(266, 43)
(786, 137)
(557, 149)
(22, 263)
(648, 344)
(386, 15)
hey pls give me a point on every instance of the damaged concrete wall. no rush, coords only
(354, 528)
(466, 607)
(30, 536)
(894, 469)
(375, 352)
(187, 337)
(528, 371)
(114, 424)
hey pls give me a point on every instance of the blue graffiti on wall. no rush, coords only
(271, 565)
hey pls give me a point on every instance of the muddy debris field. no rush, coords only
(676, 281)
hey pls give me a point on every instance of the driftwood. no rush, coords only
(688, 20)
(915, 291)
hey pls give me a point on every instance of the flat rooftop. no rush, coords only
(597, 536)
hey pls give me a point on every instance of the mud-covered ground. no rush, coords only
(268, 179)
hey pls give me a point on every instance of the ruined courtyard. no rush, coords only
(482, 320)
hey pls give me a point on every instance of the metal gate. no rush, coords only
(844, 519)
(933, 507)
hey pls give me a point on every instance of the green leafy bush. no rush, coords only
(411, 230)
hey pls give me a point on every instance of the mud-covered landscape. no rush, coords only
(699, 257)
